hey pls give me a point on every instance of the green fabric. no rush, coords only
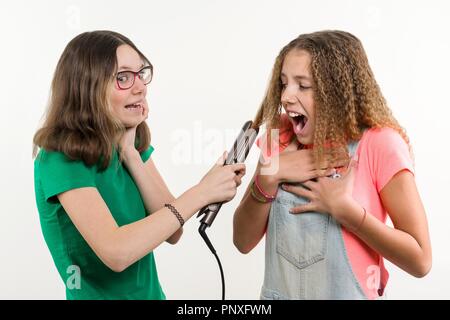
(54, 173)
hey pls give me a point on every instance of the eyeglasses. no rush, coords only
(125, 79)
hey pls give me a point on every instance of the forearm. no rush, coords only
(148, 190)
(250, 218)
(143, 180)
(395, 245)
(133, 241)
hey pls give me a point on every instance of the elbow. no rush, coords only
(240, 242)
(422, 269)
(242, 247)
(115, 265)
(174, 238)
(244, 242)
(422, 266)
(115, 260)
(243, 250)
(172, 241)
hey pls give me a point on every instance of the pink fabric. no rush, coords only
(381, 154)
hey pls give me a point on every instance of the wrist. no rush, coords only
(270, 171)
(199, 193)
(267, 185)
(130, 154)
(349, 213)
(268, 179)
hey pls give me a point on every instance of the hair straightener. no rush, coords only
(237, 154)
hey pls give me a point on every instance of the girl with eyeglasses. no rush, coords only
(103, 205)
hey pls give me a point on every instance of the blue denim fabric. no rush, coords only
(305, 255)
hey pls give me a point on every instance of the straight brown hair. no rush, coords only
(78, 120)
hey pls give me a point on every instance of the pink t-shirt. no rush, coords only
(381, 154)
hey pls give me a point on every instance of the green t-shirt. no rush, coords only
(84, 274)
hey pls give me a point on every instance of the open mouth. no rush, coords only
(299, 121)
(133, 106)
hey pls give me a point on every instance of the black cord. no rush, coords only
(202, 231)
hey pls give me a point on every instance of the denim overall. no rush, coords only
(305, 254)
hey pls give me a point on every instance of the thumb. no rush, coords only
(220, 162)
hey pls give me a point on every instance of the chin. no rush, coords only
(305, 140)
(128, 123)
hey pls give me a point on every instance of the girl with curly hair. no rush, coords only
(325, 222)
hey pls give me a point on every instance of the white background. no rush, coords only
(212, 63)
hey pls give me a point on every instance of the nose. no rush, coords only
(139, 86)
(288, 96)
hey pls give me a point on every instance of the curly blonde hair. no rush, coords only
(346, 94)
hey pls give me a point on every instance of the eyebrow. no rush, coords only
(123, 68)
(301, 77)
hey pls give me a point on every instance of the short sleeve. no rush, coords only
(58, 174)
(147, 153)
(389, 155)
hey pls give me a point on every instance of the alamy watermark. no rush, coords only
(204, 145)
(73, 282)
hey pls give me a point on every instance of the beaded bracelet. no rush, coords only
(175, 212)
(255, 195)
(266, 196)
